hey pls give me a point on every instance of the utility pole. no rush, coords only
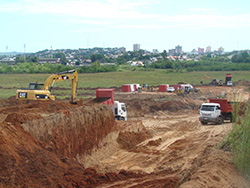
(24, 46)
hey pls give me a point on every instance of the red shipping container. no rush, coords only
(129, 87)
(163, 88)
(126, 88)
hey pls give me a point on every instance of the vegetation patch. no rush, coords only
(238, 141)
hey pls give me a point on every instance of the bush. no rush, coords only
(238, 141)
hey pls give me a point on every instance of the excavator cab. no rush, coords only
(34, 86)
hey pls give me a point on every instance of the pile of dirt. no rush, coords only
(138, 108)
(242, 82)
(154, 142)
(214, 169)
(128, 140)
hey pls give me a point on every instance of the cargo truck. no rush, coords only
(215, 111)
(106, 96)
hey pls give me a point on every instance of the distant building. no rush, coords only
(155, 51)
(9, 61)
(194, 51)
(49, 60)
(171, 51)
(178, 49)
(221, 49)
(122, 50)
(208, 49)
(201, 50)
(136, 47)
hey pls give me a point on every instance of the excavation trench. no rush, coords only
(70, 132)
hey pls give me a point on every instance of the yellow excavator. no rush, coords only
(38, 91)
(214, 82)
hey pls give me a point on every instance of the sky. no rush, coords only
(154, 24)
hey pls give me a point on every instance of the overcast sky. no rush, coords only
(154, 24)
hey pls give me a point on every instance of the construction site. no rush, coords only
(159, 141)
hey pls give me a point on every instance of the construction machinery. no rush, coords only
(38, 91)
(214, 81)
(106, 96)
(228, 80)
(216, 111)
(182, 89)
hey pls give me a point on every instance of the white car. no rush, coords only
(170, 89)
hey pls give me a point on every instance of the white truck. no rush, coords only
(119, 110)
(216, 111)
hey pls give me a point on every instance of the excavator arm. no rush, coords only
(205, 76)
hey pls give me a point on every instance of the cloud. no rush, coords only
(125, 14)
(202, 10)
(115, 9)
(207, 21)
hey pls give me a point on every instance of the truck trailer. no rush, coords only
(215, 111)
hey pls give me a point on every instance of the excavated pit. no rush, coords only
(42, 143)
(56, 144)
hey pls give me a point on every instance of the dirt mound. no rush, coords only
(129, 140)
(154, 142)
(139, 108)
(214, 169)
(242, 83)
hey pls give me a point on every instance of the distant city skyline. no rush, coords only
(136, 47)
(154, 24)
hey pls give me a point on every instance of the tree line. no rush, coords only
(31, 67)
(206, 63)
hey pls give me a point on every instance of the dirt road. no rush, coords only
(179, 147)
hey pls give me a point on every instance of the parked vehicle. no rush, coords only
(216, 111)
(228, 80)
(229, 83)
(170, 89)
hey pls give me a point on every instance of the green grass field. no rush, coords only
(116, 79)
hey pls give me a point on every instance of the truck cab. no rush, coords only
(229, 83)
(119, 110)
(210, 112)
